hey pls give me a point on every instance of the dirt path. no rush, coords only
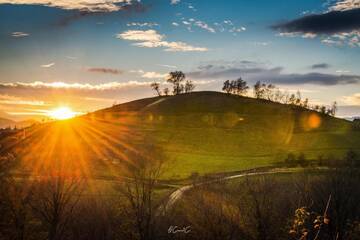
(176, 195)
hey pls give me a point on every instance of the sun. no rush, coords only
(62, 113)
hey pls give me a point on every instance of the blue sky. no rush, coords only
(88, 55)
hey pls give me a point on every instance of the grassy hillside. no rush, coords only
(203, 132)
(210, 131)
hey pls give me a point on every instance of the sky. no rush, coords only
(91, 54)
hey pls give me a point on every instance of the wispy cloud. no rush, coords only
(152, 39)
(13, 100)
(19, 34)
(167, 66)
(105, 70)
(174, 2)
(261, 43)
(150, 75)
(320, 66)
(253, 71)
(144, 24)
(83, 86)
(352, 99)
(84, 5)
(47, 65)
(205, 26)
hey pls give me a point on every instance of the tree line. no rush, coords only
(272, 93)
(179, 84)
(240, 87)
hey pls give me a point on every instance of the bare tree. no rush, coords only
(298, 98)
(238, 86)
(55, 199)
(156, 87)
(258, 90)
(189, 86)
(176, 78)
(333, 109)
(166, 91)
(227, 86)
(143, 171)
(213, 213)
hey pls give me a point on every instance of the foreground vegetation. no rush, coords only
(310, 204)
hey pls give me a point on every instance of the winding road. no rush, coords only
(176, 195)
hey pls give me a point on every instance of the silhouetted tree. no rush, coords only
(298, 98)
(166, 91)
(258, 90)
(156, 87)
(269, 92)
(55, 199)
(189, 86)
(227, 86)
(305, 103)
(176, 78)
(238, 86)
(323, 109)
(292, 99)
(333, 109)
(143, 172)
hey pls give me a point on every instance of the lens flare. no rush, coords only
(62, 113)
(314, 121)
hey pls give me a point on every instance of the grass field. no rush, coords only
(200, 132)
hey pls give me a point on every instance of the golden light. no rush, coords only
(62, 113)
(314, 121)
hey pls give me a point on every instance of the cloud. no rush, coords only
(167, 66)
(174, 2)
(320, 66)
(342, 71)
(175, 24)
(12, 100)
(339, 26)
(344, 5)
(352, 99)
(152, 39)
(253, 71)
(47, 65)
(105, 70)
(84, 5)
(140, 35)
(152, 75)
(261, 43)
(205, 26)
(145, 24)
(63, 85)
(19, 34)
(325, 23)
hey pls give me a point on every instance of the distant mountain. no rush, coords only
(5, 123)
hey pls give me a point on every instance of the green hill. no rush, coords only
(212, 132)
(202, 132)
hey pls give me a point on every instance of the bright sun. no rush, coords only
(62, 113)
